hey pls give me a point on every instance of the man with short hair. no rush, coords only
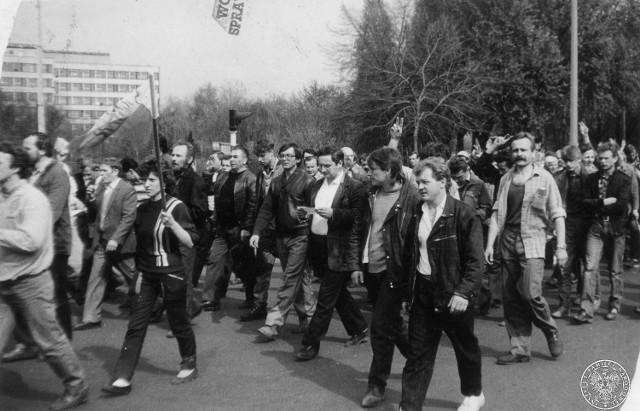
(351, 167)
(311, 167)
(572, 183)
(606, 200)
(443, 259)
(113, 211)
(233, 220)
(286, 193)
(528, 199)
(471, 189)
(49, 177)
(551, 162)
(26, 252)
(265, 258)
(190, 189)
(413, 159)
(334, 244)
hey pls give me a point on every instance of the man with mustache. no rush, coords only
(528, 199)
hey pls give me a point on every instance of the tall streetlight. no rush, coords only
(573, 133)
(42, 126)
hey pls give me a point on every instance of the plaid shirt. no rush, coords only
(541, 205)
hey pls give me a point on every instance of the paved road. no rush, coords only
(236, 373)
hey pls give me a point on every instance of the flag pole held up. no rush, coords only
(156, 137)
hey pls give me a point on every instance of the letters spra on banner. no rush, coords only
(229, 13)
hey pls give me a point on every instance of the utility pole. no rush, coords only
(573, 136)
(42, 126)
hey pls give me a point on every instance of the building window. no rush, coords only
(97, 114)
(111, 100)
(156, 76)
(74, 114)
(49, 98)
(86, 101)
(28, 68)
(48, 68)
(123, 75)
(100, 101)
(19, 82)
(110, 74)
(32, 82)
(6, 81)
(21, 96)
(85, 73)
(63, 86)
(123, 88)
(62, 100)
(49, 83)
(101, 87)
(143, 75)
(87, 87)
(101, 74)
(76, 86)
(75, 100)
(32, 97)
(76, 128)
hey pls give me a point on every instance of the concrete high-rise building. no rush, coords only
(82, 85)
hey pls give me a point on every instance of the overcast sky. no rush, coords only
(283, 44)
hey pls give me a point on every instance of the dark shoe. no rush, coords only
(306, 353)
(508, 359)
(257, 313)
(302, 328)
(561, 312)
(170, 334)
(556, 348)
(247, 304)
(611, 315)
(357, 339)
(211, 306)
(373, 397)
(20, 353)
(116, 391)
(582, 318)
(196, 313)
(71, 398)
(87, 325)
(551, 283)
(187, 364)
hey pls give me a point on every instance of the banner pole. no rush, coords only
(156, 137)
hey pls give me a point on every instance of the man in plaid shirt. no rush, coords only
(528, 202)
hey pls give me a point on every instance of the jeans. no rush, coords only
(219, 258)
(102, 261)
(333, 293)
(296, 288)
(522, 297)
(575, 236)
(31, 299)
(425, 329)
(386, 329)
(174, 288)
(602, 240)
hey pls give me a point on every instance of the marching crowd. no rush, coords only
(442, 239)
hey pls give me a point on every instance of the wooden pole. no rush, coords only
(573, 133)
(42, 119)
(156, 137)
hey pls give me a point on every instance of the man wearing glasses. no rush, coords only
(287, 192)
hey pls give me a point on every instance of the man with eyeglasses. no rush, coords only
(286, 194)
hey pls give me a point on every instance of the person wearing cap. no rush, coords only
(463, 155)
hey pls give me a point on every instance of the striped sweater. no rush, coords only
(158, 248)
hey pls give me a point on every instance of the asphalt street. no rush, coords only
(238, 373)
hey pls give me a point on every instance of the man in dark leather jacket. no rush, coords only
(444, 262)
(286, 193)
(233, 219)
(385, 225)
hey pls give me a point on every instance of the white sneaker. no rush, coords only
(472, 403)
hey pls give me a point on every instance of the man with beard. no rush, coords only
(190, 189)
(528, 199)
(286, 193)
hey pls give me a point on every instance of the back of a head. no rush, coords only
(435, 149)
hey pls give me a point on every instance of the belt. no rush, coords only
(604, 218)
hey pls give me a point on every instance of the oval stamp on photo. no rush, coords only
(605, 384)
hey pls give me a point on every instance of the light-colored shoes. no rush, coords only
(268, 333)
(472, 403)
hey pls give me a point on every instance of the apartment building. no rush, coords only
(82, 85)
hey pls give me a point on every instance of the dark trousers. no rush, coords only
(202, 247)
(174, 289)
(386, 328)
(576, 229)
(59, 273)
(334, 294)
(425, 329)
